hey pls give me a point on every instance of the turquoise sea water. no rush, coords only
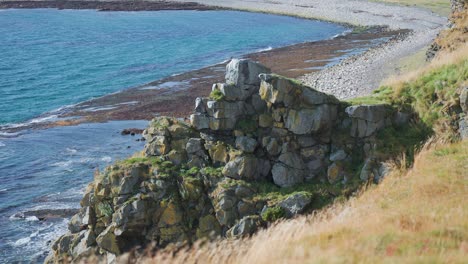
(51, 58)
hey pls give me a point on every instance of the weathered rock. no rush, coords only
(335, 172)
(265, 120)
(194, 145)
(246, 167)
(200, 121)
(208, 227)
(244, 73)
(372, 113)
(295, 204)
(108, 241)
(464, 99)
(289, 170)
(246, 226)
(246, 144)
(81, 220)
(306, 121)
(338, 155)
(367, 171)
(218, 152)
(276, 89)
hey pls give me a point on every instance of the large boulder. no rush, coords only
(277, 89)
(367, 119)
(247, 167)
(244, 72)
(295, 203)
(246, 144)
(306, 121)
(289, 170)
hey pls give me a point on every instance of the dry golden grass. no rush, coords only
(417, 216)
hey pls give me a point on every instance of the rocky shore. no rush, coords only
(107, 5)
(259, 148)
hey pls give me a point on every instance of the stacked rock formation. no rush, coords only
(204, 178)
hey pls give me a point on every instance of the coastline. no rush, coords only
(353, 76)
(174, 95)
(108, 5)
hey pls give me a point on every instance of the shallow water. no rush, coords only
(52, 58)
(49, 169)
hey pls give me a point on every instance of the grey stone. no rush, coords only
(244, 167)
(225, 109)
(200, 121)
(289, 170)
(258, 104)
(372, 113)
(194, 145)
(338, 155)
(246, 226)
(335, 173)
(463, 127)
(305, 121)
(245, 208)
(295, 204)
(200, 105)
(464, 99)
(306, 141)
(244, 72)
(311, 96)
(246, 144)
(367, 170)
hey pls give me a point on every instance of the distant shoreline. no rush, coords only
(174, 95)
(108, 5)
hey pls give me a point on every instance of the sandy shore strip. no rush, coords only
(359, 75)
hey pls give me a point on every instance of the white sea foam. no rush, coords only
(7, 134)
(2, 144)
(31, 218)
(22, 241)
(42, 119)
(63, 164)
(106, 159)
(70, 150)
(265, 49)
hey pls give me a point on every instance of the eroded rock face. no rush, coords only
(203, 178)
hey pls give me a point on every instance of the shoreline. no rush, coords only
(107, 5)
(174, 95)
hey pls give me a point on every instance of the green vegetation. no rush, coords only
(105, 208)
(433, 94)
(406, 140)
(212, 172)
(247, 125)
(142, 160)
(192, 172)
(273, 214)
(217, 95)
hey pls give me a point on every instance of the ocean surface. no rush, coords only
(53, 58)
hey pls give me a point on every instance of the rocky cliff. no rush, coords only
(261, 147)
